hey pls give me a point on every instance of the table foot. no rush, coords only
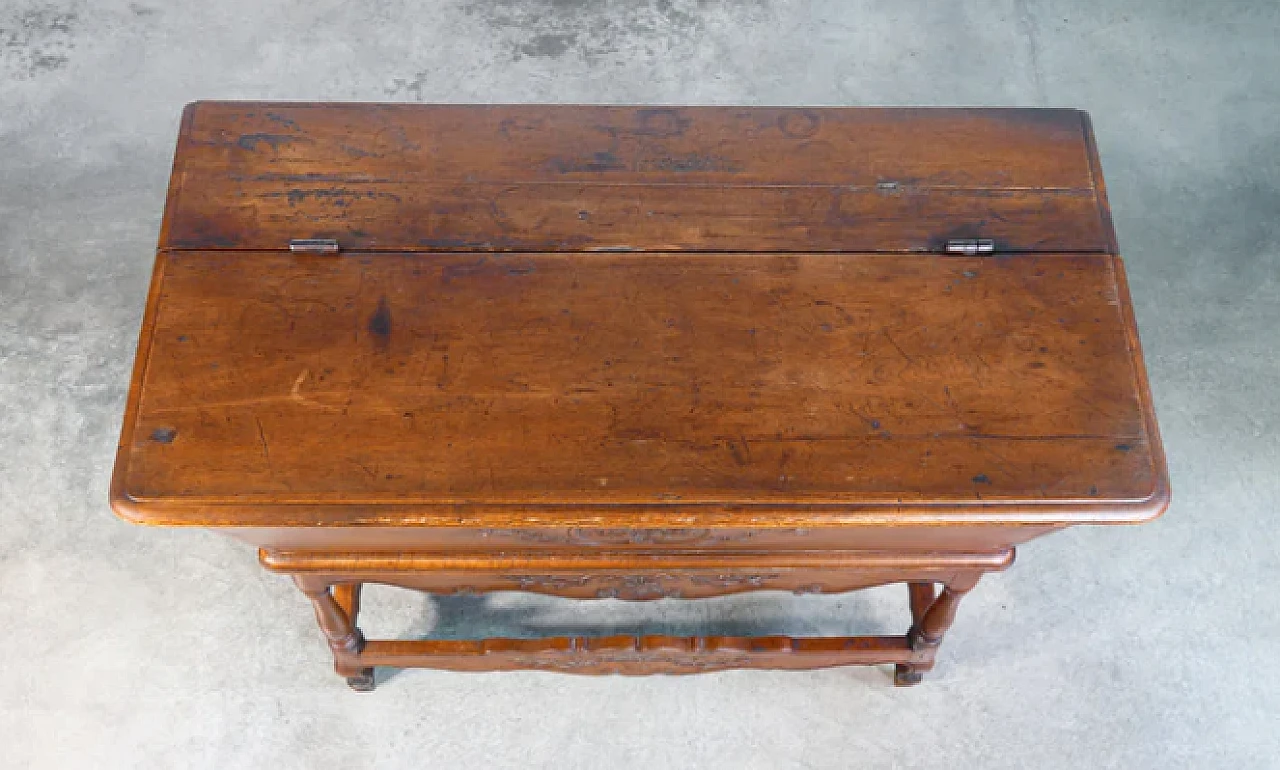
(362, 682)
(905, 675)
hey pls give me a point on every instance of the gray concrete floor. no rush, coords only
(1153, 646)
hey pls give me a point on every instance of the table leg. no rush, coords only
(922, 595)
(336, 608)
(930, 619)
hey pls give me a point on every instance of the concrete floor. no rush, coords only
(1153, 646)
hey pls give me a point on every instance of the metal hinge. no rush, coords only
(314, 245)
(971, 246)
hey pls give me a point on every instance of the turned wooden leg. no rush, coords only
(347, 595)
(931, 617)
(338, 625)
(930, 630)
(922, 595)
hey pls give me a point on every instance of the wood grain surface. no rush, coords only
(570, 178)
(642, 655)
(622, 379)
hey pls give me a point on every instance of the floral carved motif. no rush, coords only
(651, 586)
(754, 581)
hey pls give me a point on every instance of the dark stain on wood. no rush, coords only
(250, 141)
(596, 162)
(336, 196)
(690, 162)
(283, 120)
(380, 323)
(164, 435)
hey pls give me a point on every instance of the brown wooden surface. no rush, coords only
(551, 178)
(424, 384)
(360, 565)
(636, 576)
(642, 655)
(632, 533)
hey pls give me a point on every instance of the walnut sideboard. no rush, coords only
(636, 353)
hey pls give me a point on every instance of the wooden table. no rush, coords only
(637, 353)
